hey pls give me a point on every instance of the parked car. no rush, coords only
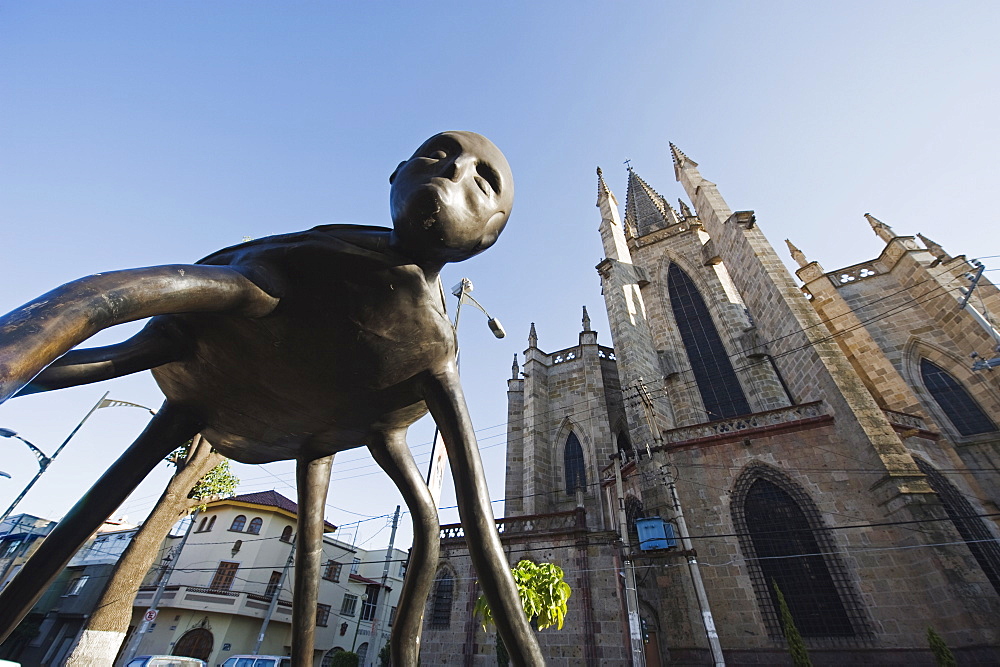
(165, 661)
(258, 661)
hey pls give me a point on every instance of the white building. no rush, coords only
(230, 568)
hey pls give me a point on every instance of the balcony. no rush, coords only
(213, 599)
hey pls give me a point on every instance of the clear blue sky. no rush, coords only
(135, 134)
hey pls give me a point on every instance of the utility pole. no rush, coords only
(980, 318)
(692, 559)
(274, 599)
(631, 593)
(150, 615)
(382, 594)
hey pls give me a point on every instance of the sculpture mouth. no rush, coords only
(427, 205)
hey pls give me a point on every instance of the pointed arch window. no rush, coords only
(713, 371)
(444, 591)
(576, 469)
(978, 538)
(958, 405)
(783, 542)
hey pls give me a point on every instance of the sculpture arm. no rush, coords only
(35, 334)
(148, 349)
(443, 394)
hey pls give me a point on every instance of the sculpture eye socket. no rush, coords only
(489, 175)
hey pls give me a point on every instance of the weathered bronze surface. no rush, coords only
(296, 346)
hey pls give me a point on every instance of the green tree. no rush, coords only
(344, 659)
(942, 654)
(544, 598)
(796, 647)
(202, 475)
(385, 656)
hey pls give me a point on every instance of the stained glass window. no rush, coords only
(713, 372)
(576, 470)
(963, 412)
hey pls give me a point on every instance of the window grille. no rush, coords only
(238, 523)
(958, 405)
(441, 609)
(322, 615)
(713, 371)
(350, 604)
(576, 469)
(224, 575)
(272, 584)
(972, 528)
(783, 541)
(255, 526)
(332, 571)
(369, 604)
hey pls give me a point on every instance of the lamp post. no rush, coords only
(45, 461)
(439, 456)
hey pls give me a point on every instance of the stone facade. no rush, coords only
(829, 438)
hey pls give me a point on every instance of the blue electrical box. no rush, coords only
(655, 534)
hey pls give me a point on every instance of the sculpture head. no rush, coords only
(451, 199)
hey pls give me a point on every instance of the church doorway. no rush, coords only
(196, 643)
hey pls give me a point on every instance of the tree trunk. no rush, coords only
(106, 628)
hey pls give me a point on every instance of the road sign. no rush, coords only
(150, 615)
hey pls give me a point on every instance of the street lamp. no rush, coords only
(439, 456)
(43, 460)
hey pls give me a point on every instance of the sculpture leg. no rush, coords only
(39, 332)
(169, 429)
(444, 397)
(313, 481)
(391, 453)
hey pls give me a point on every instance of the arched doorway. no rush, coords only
(195, 643)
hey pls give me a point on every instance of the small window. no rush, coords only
(238, 523)
(286, 534)
(103, 538)
(272, 584)
(322, 615)
(211, 523)
(224, 576)
(76, 586)
(201, 526)
(402, 569)
(441, 609)
(255, 525)
(370, 603)
(392, 616)
(349, 605)
(355, 565)
(332, 571)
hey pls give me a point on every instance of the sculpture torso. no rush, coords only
(341, 355)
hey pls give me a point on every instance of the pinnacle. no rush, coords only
(515, 370)
(882, 230)
(586, 320)
(797, 254)
(685, 211)
(679, 157)
(532, 336)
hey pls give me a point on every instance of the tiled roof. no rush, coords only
(274, 499)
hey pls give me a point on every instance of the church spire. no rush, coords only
(882, 230)
(797, 255)
(532, 336)
(645, 208)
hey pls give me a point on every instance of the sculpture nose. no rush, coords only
(457, 167)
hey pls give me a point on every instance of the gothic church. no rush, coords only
(821, 448)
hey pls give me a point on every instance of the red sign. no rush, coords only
(150, 615)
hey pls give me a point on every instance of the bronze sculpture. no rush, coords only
(296, 346)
